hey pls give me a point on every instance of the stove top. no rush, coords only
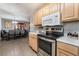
(46, 36)
(54, 36)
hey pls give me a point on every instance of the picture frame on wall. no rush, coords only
(7, 24)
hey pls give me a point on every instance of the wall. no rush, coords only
(32, 27)
(71, 27)
(0, 28)
(13, 26)
(0, 23)
(28, 26)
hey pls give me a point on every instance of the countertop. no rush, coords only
(65, 39)
(69, 40)
(33, 33)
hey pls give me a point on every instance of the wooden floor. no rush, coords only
(17, 47)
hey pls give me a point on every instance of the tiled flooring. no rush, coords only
(17, 47)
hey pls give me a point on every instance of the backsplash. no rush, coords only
(71, 27)
(32, 27)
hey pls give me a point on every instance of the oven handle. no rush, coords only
(49, 40)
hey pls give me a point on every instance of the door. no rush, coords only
(69, 11)
(45, 46)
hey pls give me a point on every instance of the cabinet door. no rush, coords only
(35, 19)
(63, 53)
(30, 40)
(69, 11)
(39, 20)
(46, 10)
(34, 44)
(54, 8)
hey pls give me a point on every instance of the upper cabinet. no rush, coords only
(45, 10)
(37, 18)
(54, 8)
(70, 12)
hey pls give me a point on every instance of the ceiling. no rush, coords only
(18, 10)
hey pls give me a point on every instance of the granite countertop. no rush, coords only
(69, 40)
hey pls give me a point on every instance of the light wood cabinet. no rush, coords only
(64, 49)
(63, 53)
(35, 19)
(30, 41)
(46, 10)
(54, 7)
(70, 12)
(38, 18)
(33, 42)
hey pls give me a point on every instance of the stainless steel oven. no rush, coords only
(47, 40)
(47, 46)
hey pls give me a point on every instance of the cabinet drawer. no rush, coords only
(69, 48)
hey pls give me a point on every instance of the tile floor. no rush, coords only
(17, 47)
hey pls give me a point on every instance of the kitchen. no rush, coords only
(54, 30)
(39, 29)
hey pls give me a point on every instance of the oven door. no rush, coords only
(46, 47)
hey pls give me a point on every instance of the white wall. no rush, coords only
(32, 27)
(0, 24)
(13, 25)
(0, 27)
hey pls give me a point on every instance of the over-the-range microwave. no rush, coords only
(51, 20)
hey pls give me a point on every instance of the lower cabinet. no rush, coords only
(64, 49)
(61, 52)
(33, 42)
